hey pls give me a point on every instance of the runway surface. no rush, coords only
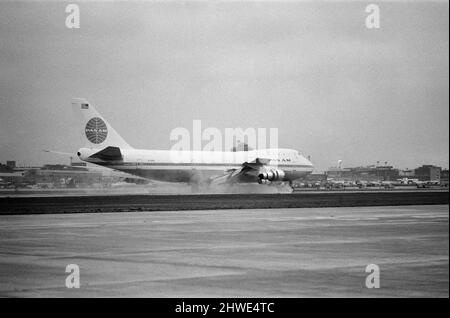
(131, 203)
(310, 252)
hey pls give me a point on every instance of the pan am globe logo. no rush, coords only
(96, 130)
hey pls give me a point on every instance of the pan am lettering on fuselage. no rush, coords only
(105, 147)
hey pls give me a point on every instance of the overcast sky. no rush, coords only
(333, 88)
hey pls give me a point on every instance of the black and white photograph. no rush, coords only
(224, 155)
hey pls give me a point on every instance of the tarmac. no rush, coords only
(309, 252)
(131, 203)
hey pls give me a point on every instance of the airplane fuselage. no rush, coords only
(199, 166)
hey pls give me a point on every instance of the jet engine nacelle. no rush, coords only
(271, 175)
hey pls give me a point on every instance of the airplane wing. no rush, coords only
(247, 170)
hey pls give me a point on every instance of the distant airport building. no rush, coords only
(406, 173)
(368, 173)
(4, 168)
(428, 173)
(387, 173)
(63, 175)
(337, 173)
(11, 164)
(8, 167)
(444, 176)
(77, 174)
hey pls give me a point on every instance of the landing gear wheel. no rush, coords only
(290, 186)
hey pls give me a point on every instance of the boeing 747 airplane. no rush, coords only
(105, 147)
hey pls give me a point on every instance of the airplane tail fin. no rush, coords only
(96, 130)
